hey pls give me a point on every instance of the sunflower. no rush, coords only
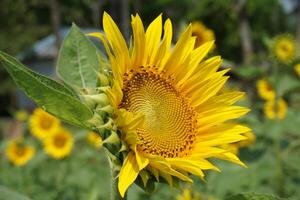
(284, 48)
(94, 139)
(202, 33)
(59, 144)
(167, 107)
(42, 124)
(265, 90)
(18, 153)
(274, 110)
(297, 69)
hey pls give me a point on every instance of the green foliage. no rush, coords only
(78, 63)
(83, 175)
(252, 196)
(8, 194)
(49, 94)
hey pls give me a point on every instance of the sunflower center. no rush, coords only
(169, 128)
(60, 141)
(46, 123)
(20, 151)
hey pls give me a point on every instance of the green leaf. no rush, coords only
(286, 84)
(253, 196)
(248, 72)
(54, 97)
(78, 63)
(7, 194)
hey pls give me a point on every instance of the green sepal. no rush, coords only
(52, 96)
(150, 186)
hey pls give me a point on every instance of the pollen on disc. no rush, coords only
(169, 128)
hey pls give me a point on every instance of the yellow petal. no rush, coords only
(164, 166)
(141, 160)
(181, 50)
(218, 102)
(227, 113)
(164, 49)
(117, 41)
(197, 55)
(139, 50)
(129, 121)
(128, 173)
(201, 92)
(206, 151)
(204, 71)
(115, 65)
(153, 35)
(231, 157)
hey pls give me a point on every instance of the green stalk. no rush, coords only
(279, 177)
(115, 194)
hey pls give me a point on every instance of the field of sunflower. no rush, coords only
(189, 100)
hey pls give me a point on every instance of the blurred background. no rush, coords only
(259, 41)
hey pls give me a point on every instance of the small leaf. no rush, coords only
(253, 196)
(54, 97)
(7, 194)
(78, 62)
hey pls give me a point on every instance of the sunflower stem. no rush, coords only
(279, 187)
(115, 194)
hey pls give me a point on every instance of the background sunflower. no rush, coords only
(19, 153)
(59, 145)
(42, 124)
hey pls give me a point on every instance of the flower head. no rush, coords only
(202, 33)
(275, 110)
(265, 90)
(167, 107)
(59, 144)
(94, 139)
(284, 48)
(297, 69)
(42, 124)
(18, 153)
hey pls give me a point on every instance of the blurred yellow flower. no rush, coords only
(59, 144)
(284, 48)
(297, 69)
(94, 139)
(202, 33)
(265, 90)
(189, 195)
(21, 115)
(18, 153)
(42, 124)
(274, 110)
